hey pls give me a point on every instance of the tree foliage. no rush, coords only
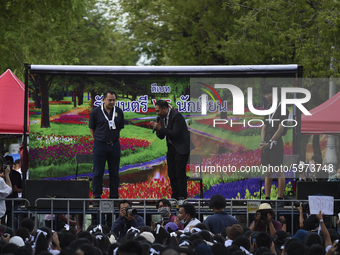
(64, 32)
(235, 32)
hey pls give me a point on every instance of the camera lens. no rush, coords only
(264, 216)
(131, 211)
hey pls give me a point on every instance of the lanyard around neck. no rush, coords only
(112, 124)
(271, 116)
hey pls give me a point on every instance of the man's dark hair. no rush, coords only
(217, 201)
(268, 89)
(263, 240)
(202, 226)
(288, 241)
(316, 249)
(333, 234)
(165, 202)
(130, 247)
(242, 241)
(66, 239)
(262, 251)
(27, 223)
(23, 233)
(123, 202)
(161, 235)
(41, 243)
(87, 249)
(189, 209)
(110, 91)
(146, 229)
(232, 248)
(317, 158)
(219, 239)
(296, 248)
(205, 234)
(238, 252)
(79, 241)
(313, 238)
(162, 103)
(83, 237)
(10, 248)
(9, 159)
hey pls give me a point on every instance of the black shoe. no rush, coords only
(279, 204)
(95, 204)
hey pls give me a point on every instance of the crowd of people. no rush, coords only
(184, 233)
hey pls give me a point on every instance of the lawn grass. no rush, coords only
(61, 129)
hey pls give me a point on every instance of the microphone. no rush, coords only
(157, 120)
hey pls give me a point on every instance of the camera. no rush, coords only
(264, 215)
(164, 221)
(4, 166)
(305, 206)
(131, 211)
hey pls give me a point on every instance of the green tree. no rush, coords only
(57, 33)
(235, 32)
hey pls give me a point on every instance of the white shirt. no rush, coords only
(228, 242)
(54, 252)
(192, 222)
(5, 190)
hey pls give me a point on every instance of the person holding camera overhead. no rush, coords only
(128, 218)
(264, 220)
(164, 209)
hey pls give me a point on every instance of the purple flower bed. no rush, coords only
(58, 154)
(240, 157)
(71, 119)
(230, 189)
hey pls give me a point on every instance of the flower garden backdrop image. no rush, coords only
(59, 113)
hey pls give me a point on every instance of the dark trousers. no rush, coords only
(103, 152)
(177, 164)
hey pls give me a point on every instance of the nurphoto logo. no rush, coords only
(238, 105)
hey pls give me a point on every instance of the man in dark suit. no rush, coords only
(174, 128)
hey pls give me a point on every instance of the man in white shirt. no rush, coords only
(5, 186)
(187, 216)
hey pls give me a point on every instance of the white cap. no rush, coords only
(17, 240)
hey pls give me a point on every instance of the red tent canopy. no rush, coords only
(325, 118)
(12, 93)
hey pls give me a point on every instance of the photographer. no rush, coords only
(310, 222)
(264, 220)
(5, 186)
(127, 218)
(164, 209)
